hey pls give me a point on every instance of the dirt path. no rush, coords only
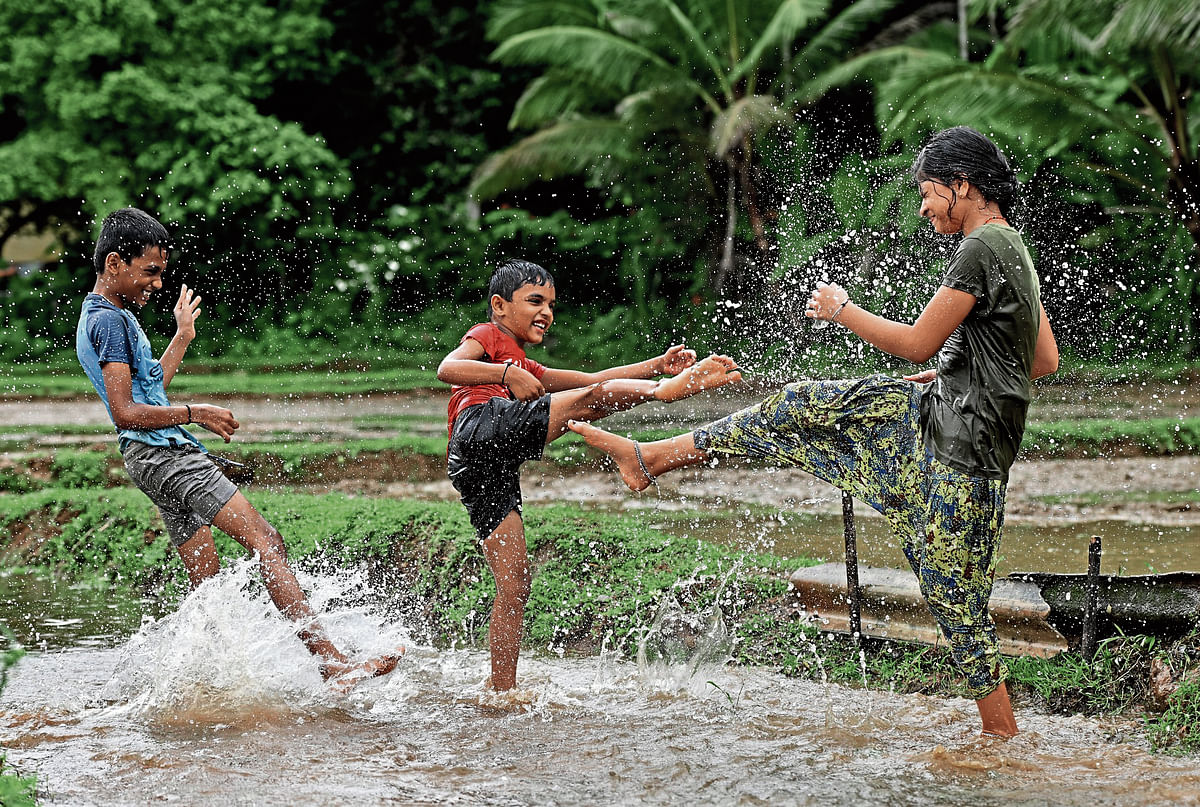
(343, 418)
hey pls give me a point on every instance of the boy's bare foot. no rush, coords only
(714, 371)
(624, 453)
(508, 701)
(344, 676)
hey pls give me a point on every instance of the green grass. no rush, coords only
(1103, 437)
(1166, 497)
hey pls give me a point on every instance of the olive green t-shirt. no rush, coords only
(973, 413)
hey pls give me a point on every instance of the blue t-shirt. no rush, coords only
(108, 333)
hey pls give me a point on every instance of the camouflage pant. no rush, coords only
(864, 436)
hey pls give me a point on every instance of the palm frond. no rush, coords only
(792, 17)
(875, 65)
(1059, 29)
(1051, 118)
(517, 16)
(568, 148)
(830, 44)
(604, 58)
(663, 106)
(743, 118)
(549, 98)
(695, 40)
(1168, 23)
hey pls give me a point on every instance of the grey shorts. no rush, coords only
(184, 483)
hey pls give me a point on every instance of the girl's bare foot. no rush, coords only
(623, 452)
(343, 676)
(714, 371)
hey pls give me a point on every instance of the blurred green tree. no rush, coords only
(664, 104)
(158, 104)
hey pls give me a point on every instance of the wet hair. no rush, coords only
(963, 153)
(129, 232)
(511, 275)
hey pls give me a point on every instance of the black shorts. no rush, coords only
(488, 446)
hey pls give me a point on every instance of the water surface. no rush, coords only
(219, 704)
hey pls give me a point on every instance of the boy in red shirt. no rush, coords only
(505, 408)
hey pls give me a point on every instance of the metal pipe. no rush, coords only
(1091, 606)
(853, 593)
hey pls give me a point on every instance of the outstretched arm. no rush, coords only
(917, 342)
(677, 359)
(128, 414)
(187, 311)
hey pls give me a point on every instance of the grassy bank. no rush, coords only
(596, 578)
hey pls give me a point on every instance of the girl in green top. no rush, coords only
(931, 452)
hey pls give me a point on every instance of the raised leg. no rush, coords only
(657, 457)
(596, 401)
(508, 559)
(616, 395)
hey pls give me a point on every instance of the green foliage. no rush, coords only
(80, 469)
(1177, 730)
(1091, 101)
(673, 97)
(1102, 437)
(1114, 680)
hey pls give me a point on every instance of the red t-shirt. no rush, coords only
(498, 348)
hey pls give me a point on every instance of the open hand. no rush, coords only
(187, 311)
(923, 377)
(677, 359)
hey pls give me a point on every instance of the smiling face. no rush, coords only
(939, 204)
(528, 315)
(126, 284)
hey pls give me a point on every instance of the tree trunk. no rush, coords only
(726, 265)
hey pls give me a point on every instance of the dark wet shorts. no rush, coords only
(488, 446)
(184, 483)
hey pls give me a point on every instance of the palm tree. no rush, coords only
(663, 95)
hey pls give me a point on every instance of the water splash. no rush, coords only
(228, 656)
(681, 650)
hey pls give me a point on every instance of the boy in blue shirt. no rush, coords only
(164, 459)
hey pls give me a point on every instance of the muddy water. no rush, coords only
(218, 704)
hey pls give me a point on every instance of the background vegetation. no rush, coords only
(340, 176)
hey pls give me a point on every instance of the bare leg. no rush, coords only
(596, 401)
(199, 556)
(508, 559)
(244, 524)
(996, 712)
(616, 395)
(659, 457)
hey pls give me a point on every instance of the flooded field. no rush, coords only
(219, 704)
(214, 702)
